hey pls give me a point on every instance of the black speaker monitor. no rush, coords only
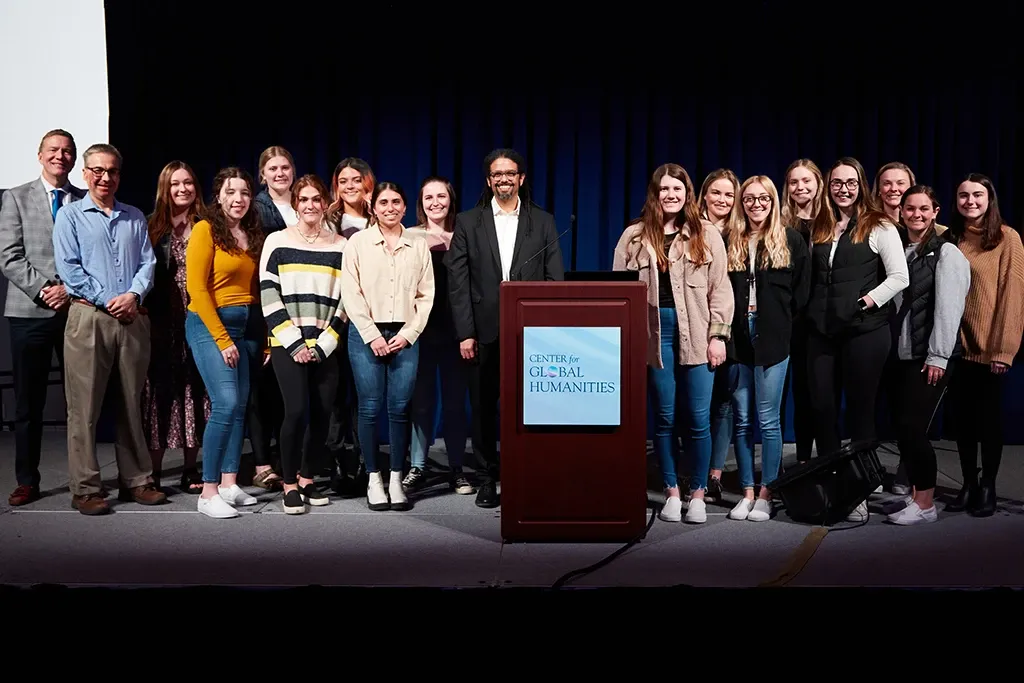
(826, 489)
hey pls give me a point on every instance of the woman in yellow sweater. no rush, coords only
(221, 264)
(992, 326)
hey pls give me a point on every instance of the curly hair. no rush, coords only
(250, 223)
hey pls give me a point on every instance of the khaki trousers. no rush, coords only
(98, 348)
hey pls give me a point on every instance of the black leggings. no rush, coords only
(803, 407)
(861, 360)
(977, 397)
(914, 404)
(308, 390)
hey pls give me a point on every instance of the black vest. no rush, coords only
(919, 298)
(835, 290)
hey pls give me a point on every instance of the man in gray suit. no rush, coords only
(37, 302)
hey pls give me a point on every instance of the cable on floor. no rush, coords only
(577, 573)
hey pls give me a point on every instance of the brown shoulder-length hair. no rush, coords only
(789, 209)
(652, 218)
(421, 214)
(250, 223)
(161, 220)
(866, 211)
(337, 207)
(929, 232)
(991, 224)
(310, 180)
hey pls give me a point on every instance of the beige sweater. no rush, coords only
(703, 295)
(994, 313)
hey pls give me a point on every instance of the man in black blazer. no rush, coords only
(502, 238)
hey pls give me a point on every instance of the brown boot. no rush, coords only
(147, 494)
(90, 504)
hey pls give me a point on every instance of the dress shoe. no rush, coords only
(90, 504)
(147, 494)
(966, 499)
(487, 496)
(985, 502)
(23, 495)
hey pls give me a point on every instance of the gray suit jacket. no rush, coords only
(26, 248)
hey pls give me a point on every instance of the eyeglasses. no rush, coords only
(98, 171)
(763, 200)
(498, 175)
(840, 184)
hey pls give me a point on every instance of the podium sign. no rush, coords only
(574, 411)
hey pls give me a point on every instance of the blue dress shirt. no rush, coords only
(98, 256)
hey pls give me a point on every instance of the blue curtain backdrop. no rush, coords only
(594, 111)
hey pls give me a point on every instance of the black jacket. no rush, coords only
(270, 218)
(782, 294)
(474, 265)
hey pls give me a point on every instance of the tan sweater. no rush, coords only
(994, 314)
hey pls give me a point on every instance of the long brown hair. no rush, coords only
(991, 224)
(929, 232)
(250, 222)
(775, 253)
(421, 214)
(866, 210)
(337, 208)
(162, 219)
(652, 218)
(789, 209)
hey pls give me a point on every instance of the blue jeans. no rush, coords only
(227, 387)
(439, 355)
(690, 386)
(721, 415)
(758, 388)
(375, 376)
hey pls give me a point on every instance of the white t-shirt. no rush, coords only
(287, 213)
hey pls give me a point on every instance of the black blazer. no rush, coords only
(782, 294)
(474, 265)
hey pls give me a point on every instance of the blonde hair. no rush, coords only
(790, 211)
(775, 253)
(735, 217)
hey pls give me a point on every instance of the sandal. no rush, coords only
(268, 480)
(191, 481)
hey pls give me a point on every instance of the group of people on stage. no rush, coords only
(292, 307)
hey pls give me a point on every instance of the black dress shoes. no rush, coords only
(985, 502)
(487, 496)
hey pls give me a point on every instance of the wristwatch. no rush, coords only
(138, 299)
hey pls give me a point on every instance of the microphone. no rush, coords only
(515, 274)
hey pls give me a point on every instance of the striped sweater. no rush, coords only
(300, 290)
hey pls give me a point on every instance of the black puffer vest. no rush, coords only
(919, 297)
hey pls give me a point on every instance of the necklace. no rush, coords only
(306, 237)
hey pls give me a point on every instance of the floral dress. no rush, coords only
(175, 406)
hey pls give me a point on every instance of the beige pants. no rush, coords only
(98, 348)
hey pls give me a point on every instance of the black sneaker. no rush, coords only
(460, 484)
(293, 504)
(312, 495)
(714, 490)
(415, 479)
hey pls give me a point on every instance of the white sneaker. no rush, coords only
(216, 507)
(376, 497)
(672, 511)
(761, 512)
(742, 509)
(397, 493)
(235, 496)
(859, 514)
(913, 514)
(696, 511)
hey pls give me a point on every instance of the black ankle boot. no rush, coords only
(967, 496)
(985, 502)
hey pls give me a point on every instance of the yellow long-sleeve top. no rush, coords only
(216, 278)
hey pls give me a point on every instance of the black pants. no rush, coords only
(803, 407)
(977, 397)
(345, 411)
(484, 389)
(914, 404)
(861, 361)
(263, 411)
(308, 391)
(33, 343)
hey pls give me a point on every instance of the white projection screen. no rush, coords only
(54, 75)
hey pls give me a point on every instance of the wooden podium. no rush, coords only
(573, 411)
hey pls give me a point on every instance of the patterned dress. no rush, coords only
(175, 407)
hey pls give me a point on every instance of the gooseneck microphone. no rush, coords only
(518, 271)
